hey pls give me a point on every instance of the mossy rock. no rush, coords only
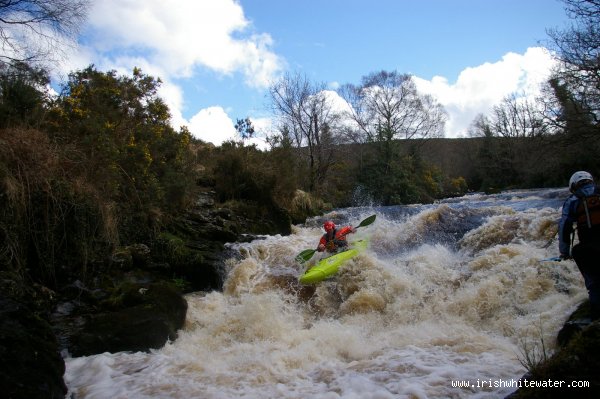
(193, 261)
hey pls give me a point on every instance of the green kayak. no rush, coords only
(329, 266)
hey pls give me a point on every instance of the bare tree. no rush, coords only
(480, 127)
(308, 115)
(578, 51)
(33, 31)
(518, 117)
(387, 106)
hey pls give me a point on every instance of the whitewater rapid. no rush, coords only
(453, 291)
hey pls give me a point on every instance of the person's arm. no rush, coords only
(565, 229)
(322, 243)
(344, 231)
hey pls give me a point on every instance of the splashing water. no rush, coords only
(452, 291)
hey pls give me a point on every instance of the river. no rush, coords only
(447, 292)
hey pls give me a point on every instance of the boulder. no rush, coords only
(30, 363)
(578, 320)
(144, 317)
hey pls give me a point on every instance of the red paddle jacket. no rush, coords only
(335, 239)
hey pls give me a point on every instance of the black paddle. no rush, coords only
(308, 253)
(553, 259)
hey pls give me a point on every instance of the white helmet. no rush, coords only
(579, 177)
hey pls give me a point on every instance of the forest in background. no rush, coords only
(99, 165)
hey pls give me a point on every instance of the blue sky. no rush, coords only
(217, 57)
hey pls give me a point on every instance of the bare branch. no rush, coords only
(34, 31)
(306, 111)
(387, 106)
(578, 51)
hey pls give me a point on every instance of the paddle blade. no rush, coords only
(305, 255)
(367, 221)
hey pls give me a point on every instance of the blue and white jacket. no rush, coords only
(569, 216)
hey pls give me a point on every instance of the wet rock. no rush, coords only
(30, 364)
(206, 199)
(144, 317)
(194, 260)
(579, 320)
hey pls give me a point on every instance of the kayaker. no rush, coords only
(334, 239)
(583, 208)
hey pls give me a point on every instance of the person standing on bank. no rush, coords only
(583, 208)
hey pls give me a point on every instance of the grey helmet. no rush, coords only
(579, 177)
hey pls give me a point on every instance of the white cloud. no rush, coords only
(264, 126)
(212, 125)
(336, 102)
(179, 35)
(172, 95)
(478, 89)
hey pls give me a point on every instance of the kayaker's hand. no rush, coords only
(353, 230)
(321, 248)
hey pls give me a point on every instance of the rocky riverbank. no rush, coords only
(132, 301)
(576, 359)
